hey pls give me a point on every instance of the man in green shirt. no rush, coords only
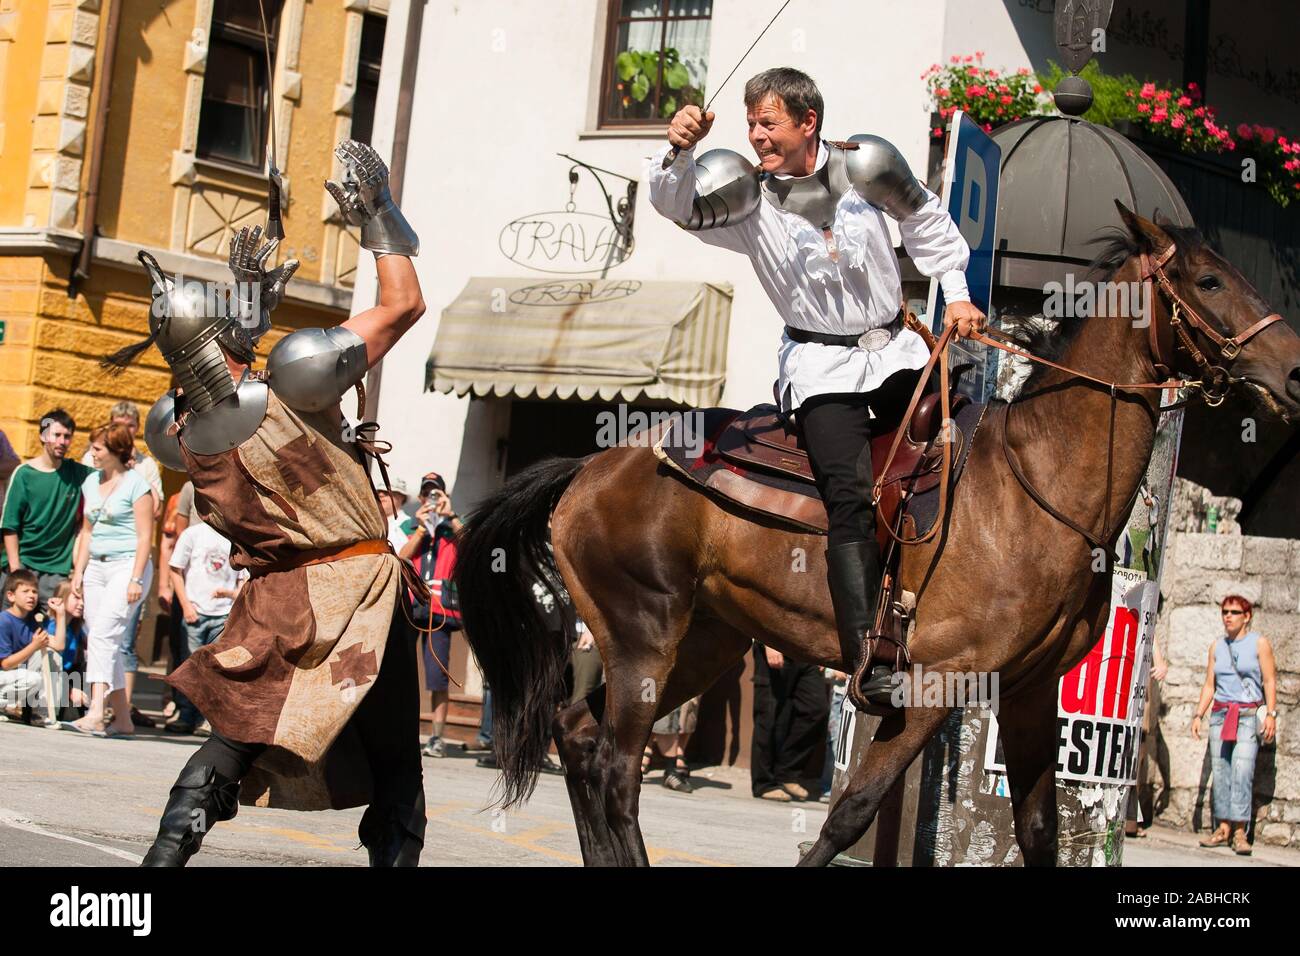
(42, 509)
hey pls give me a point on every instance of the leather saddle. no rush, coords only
(756, 459)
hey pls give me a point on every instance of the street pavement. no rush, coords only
(71, 800)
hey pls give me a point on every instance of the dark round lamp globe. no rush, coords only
(1073, 96)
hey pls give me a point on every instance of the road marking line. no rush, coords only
(11, 819)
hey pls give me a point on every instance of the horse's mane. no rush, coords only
(1051, 338)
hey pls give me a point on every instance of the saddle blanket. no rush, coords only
(778, 494)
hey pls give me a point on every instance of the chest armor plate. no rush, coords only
(229, 423)
(814, 198)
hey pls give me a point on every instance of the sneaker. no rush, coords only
(550, 766)
(678, 779)
(476, 747)
(434, 748)
(204, 729)
(778, 795)
(142, 720)
(179, 727)
(488, 761)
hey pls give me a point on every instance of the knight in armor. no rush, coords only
(311, 691)
(811, 218)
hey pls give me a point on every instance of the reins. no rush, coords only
(1212, 387)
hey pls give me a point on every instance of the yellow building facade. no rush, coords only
(126, 156)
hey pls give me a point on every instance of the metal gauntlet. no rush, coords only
(364, 200)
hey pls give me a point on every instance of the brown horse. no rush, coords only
(675, 585)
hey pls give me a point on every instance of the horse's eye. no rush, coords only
(1208, 283)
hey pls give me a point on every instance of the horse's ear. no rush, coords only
(1147, 233)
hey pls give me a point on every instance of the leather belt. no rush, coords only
(872, 340)
(304, 559)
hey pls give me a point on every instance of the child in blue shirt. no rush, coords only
(21, 645)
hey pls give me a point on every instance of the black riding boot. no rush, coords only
(200, 797)
(853, 572)
(394, 836)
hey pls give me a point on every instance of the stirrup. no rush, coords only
(871, 686)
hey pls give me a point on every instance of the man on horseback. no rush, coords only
(809, 219)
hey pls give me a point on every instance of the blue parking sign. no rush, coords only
(970, 194)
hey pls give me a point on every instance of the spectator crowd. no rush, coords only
(78, 539)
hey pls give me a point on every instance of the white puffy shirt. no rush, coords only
(811, 291)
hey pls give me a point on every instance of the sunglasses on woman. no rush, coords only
(1228, 611)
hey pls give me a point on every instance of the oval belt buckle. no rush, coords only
(873, 340)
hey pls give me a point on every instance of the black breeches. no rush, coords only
(837, 433)
(387, 720)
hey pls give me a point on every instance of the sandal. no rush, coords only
(1240, 845)
(1219, 837)
(647, 758)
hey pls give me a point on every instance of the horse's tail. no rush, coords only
(500, 553)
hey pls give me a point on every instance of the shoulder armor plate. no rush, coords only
(882, 177)
(163, 446)
(726, 190)
(229, 423)
(311, 369)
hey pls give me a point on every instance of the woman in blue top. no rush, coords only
(112, 570)
(1241, 675)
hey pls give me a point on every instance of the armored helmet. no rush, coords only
(191, 323)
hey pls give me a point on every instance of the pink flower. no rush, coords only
(992, 94)
(993, 74)
(1198, 112)
(980, 54)
(1291, 164)
(976, 89)
(1129, 94)
(1243, 131)
(1159, 116)
(1037, 88)
(1001, 110)
(941, 93)
(988, 127)
(1162, 96)
(1006, 100)
(1148, 91)
(955, 59)
(1177, 122)
(1003, 88)
(1184, 101)
(937, 132)
(1144, 107)
(968, 59)
(1267, 134)
(1023, 71)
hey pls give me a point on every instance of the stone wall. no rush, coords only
(1200, 569)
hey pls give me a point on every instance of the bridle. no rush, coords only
(1215, 379)
(1213, 386)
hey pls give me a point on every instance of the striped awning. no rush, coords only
(607, 338)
